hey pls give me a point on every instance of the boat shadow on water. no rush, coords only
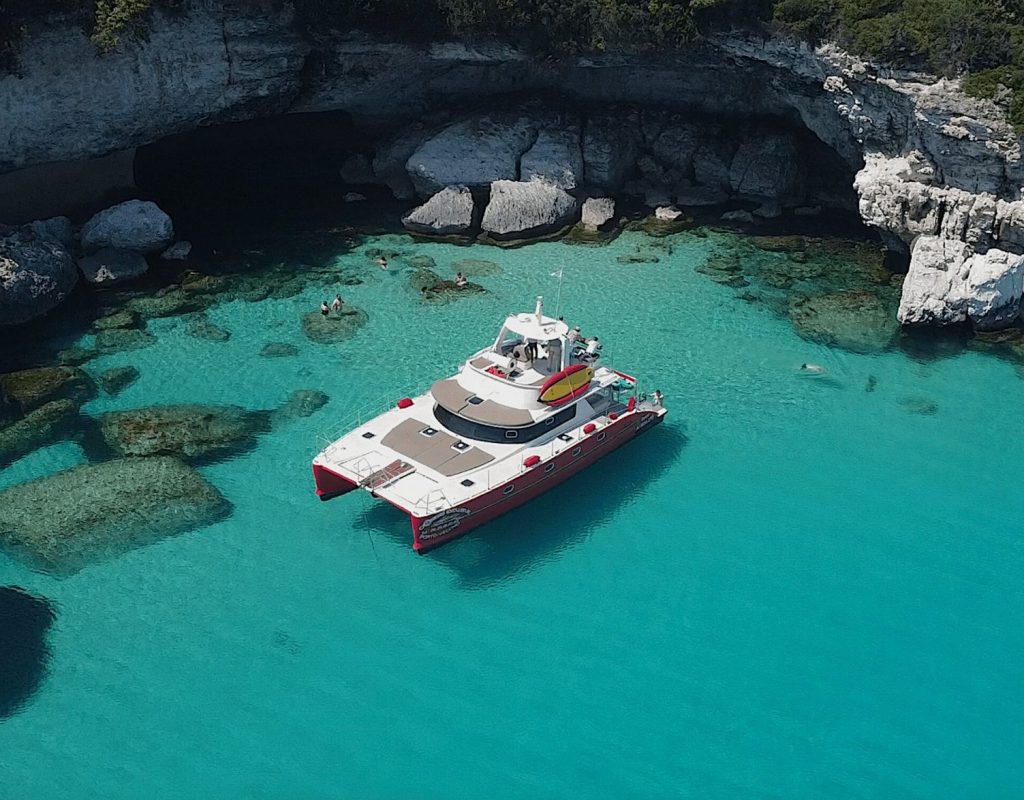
(540, 530)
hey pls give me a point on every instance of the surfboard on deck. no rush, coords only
(563, 386)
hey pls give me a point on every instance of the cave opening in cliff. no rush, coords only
(276, 170)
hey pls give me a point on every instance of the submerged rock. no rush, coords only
(110, 266)
(133, 225)
(25, 621)
(40, 427)
(300, 403)
(119, 340)
(119, 319)
(31, 388)
(337, 327)
(450, 211)
(637, 257)
(191, 432)
(518, 208)
(857, 321)
(199, 326)
(35, 277)
(476, 267)
(279, 350)
(66, 521)
(168, 302)
(116, 380)
(920, 405)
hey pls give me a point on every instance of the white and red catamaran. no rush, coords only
(517, 419)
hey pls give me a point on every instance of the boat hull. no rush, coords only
(330, 484)
(433, 530)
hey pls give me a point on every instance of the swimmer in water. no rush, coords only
(812, 369)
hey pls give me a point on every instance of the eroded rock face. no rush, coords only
(473, 152)
(450, 211)
(520, 208)
(137, 225)
(110, 266)
(555, 157)
(948, 284)
(66, 521)
(190, 432)
(35, 277)
(609, 152)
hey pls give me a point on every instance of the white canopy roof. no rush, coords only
(527, 326)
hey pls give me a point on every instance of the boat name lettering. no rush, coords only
(445, 522)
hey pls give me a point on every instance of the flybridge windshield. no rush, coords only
(479, 432)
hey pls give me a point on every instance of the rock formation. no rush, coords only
(522, 208)
(111, 265)
(450, 211)
(35, 277)
(133, 225)
(104, 509)
(25, 622)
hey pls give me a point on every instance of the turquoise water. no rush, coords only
(795, 587)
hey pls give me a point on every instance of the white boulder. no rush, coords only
(137, 225)
(948, 283)
(447, 212)
(518, 207)
(597, 211)
(473, 152)
(111, 265)
(667, 213)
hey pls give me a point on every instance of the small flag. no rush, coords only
(556, 274)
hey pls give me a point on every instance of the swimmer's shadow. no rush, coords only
(543, 528)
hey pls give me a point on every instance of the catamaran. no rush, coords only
(518, 418)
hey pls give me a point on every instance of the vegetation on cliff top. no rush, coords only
(981, 39)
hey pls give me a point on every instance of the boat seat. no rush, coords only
(470, 459)
(450, 394)
(492, 413)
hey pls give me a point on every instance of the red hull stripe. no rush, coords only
(329, 483)
(437, 529)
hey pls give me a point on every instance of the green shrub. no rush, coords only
(112, 17)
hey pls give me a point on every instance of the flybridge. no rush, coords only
(518, 418)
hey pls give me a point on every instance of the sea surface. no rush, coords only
(796, 587)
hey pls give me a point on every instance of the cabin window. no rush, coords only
(577, 450)
(511, 434)
(480, 432)
(600, 436)
(467, 482)
(549, 468)
(369, 435)
(510, 488)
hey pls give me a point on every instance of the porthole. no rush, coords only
(369, 435)
(467, 482)
(510, 488)
(511, 434)
(549, 468)
(577, 450)
(600, 436)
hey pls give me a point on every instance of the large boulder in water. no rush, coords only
(519, 208)
(597, 211)
(858, 321)
(948, 283)
(473, 152)
(38, 428)
(25, 621)
(447, 212)
(63, 522)
(31, 388)
(133, 225)
(192, 432)
(35, 277)
(337, 327)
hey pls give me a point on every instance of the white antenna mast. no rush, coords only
(558, 297)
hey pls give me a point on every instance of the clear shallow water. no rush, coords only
(793, 588)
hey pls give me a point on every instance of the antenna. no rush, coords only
(558, 297)
(540, 309)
